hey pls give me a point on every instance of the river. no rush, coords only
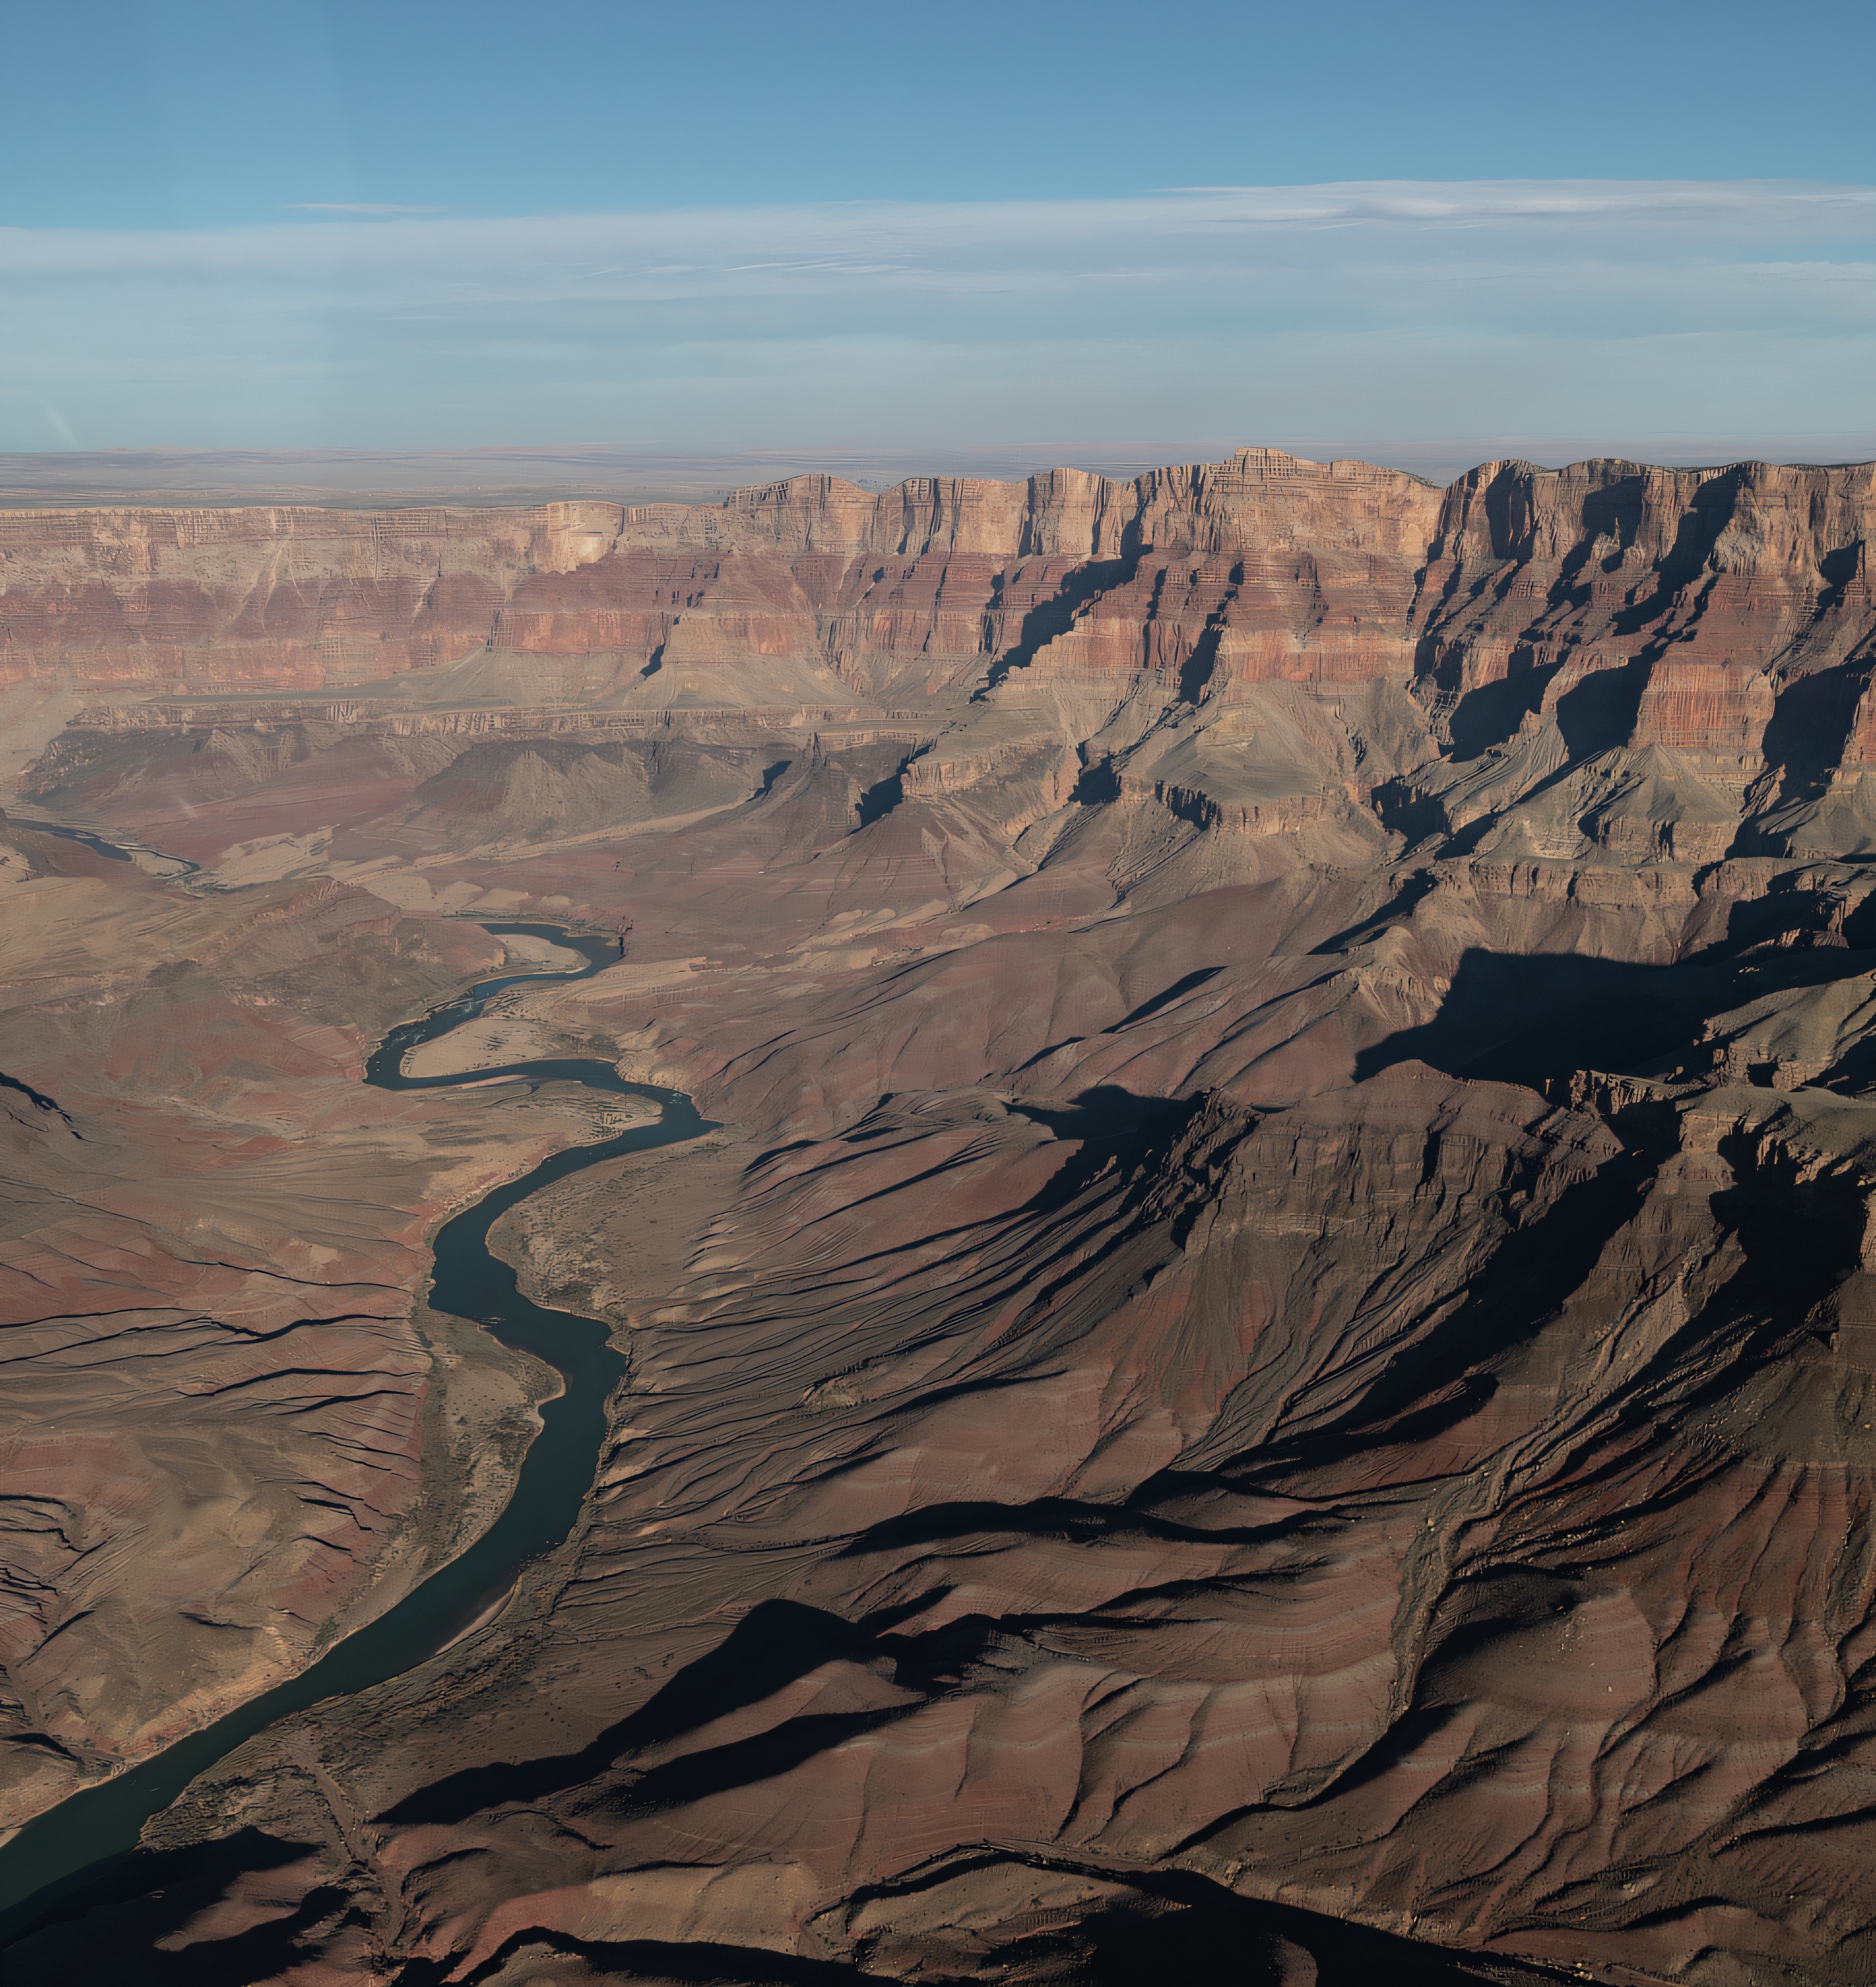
(84, 1835)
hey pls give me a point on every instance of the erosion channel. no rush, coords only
(79, 1839)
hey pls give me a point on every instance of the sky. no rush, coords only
(1643, 228)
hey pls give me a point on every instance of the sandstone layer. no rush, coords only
(1271, 1369)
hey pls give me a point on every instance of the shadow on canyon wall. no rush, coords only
(1156, 1926)
(1533, 1018)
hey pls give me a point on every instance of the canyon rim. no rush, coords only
(1262, 1365)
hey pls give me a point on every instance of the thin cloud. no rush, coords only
(1364, 309)
(354, 207)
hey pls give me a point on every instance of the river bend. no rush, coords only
(68, 1846)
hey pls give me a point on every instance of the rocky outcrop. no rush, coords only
(808, 585)
(1272, 1369)
(1684, 586)
(267, 599)
(1726, 614)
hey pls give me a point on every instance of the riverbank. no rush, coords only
(80, 1841)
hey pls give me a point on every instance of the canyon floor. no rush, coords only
(1270, 1372)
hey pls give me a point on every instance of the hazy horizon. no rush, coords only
(1371, 316)
(496, 477)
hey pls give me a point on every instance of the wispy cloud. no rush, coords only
(354, 207)
(1582, 307)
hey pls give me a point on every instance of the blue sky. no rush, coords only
(739, 226)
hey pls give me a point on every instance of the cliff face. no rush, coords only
(1711, 593)
(914, 591)
(1273, 1369)
(266, 599)
(1695, 611)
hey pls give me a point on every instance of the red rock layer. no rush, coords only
(1291, 1323)
(266, 599)
(1709, 593)
(1715, 591)
(916, 590)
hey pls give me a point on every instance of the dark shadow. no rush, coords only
(775, 1643)
(1199, 809)
(1433, 1383)
(746, 1763)
(1048, 1049)
(706, 1963)
(1837, 569)
(1098, 784)
(882, 796)
(1195, 672)
(880, 799)
(1801, 1240)
(1599, 712)
(1709, 512)
(1490, 714)
(1109, 1115)
(1524, 1017)
(1187, 983)
(1161, 1926)
(1615, 511)
(1506, 505)
(1465, 841)
(1791, 915)
(1046, 1518)
(1403, 809)
(1810, 724)
(1531, 1017)
(1132, 1137)
(1056, 615)
(1854, 1074)
(108, 1929)
(653, 662)
(1413, 887)
(37, 1099)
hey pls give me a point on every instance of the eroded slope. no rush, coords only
(1275, 1355)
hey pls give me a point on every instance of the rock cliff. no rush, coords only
(1271, 1371)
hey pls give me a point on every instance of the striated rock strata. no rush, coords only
(1271, 1373)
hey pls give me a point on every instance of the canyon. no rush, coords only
(1268, 1363)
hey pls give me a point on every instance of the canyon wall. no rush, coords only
(1271, 1368)
(1694, 611)
(917, 589)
